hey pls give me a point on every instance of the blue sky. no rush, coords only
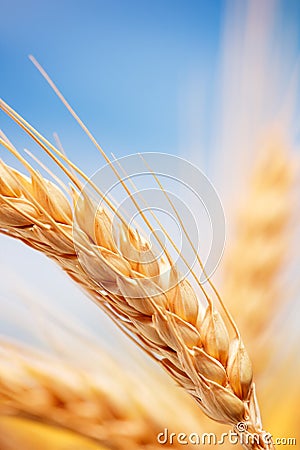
(124, 65)
(141, 73)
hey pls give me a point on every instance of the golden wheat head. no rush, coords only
(199, 345)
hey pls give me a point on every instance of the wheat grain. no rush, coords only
(192, 342)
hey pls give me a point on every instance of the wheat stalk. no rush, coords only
(202, 352)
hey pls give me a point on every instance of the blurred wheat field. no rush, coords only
(109, 409)
(46, 402)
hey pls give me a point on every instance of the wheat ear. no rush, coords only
(111, 410)
(202, 352)
(260, 246)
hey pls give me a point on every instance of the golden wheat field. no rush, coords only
(150, 299)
